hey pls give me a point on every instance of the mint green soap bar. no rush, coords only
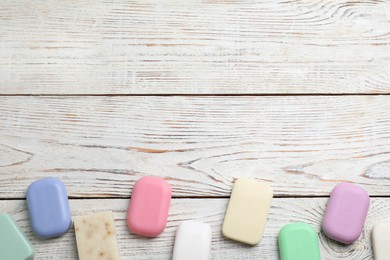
(13, 244)
(298, 241)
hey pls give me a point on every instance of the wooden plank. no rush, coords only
(211, 211)
(99, 146)
(150, 47)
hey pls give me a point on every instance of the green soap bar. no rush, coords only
(13, 244)
(298, 241)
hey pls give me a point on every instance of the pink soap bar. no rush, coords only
(346, 212)
(149, 206)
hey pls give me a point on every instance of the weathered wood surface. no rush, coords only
(198, 47)
(211, 211)
(99, 146)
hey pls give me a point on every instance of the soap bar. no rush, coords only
(48, 207)
(298, 241)
(346, 213)
(13, 243)
(96, 236)
(149, 206)
(192, 242)
(381, 241)
(247, 212)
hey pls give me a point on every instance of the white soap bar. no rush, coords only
(381, 241)
(192, 242)
(96, 237)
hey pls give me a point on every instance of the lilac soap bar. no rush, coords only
(48, 207)
(346, 212)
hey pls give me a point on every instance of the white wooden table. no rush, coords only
(100, 93)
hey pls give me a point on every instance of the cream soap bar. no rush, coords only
(247, 211)
(95, 236)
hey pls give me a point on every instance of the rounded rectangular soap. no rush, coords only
(381, 241)
(48, 207)
(298, 241)
(247, 212)
(192, 241)
(13, 243)
(149, 206)
(346, 213)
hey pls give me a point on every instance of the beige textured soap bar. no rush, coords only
(95, 236)
(381, 241)
(247, 211)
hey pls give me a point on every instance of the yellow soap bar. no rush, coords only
(247, 211)
(96, 236)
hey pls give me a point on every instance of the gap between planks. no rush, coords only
(194, 198)
(197, 95)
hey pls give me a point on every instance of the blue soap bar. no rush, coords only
(48, 207)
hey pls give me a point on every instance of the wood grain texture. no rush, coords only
(212, 47)
(211, 211)
(99, 146)
(100, 143)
